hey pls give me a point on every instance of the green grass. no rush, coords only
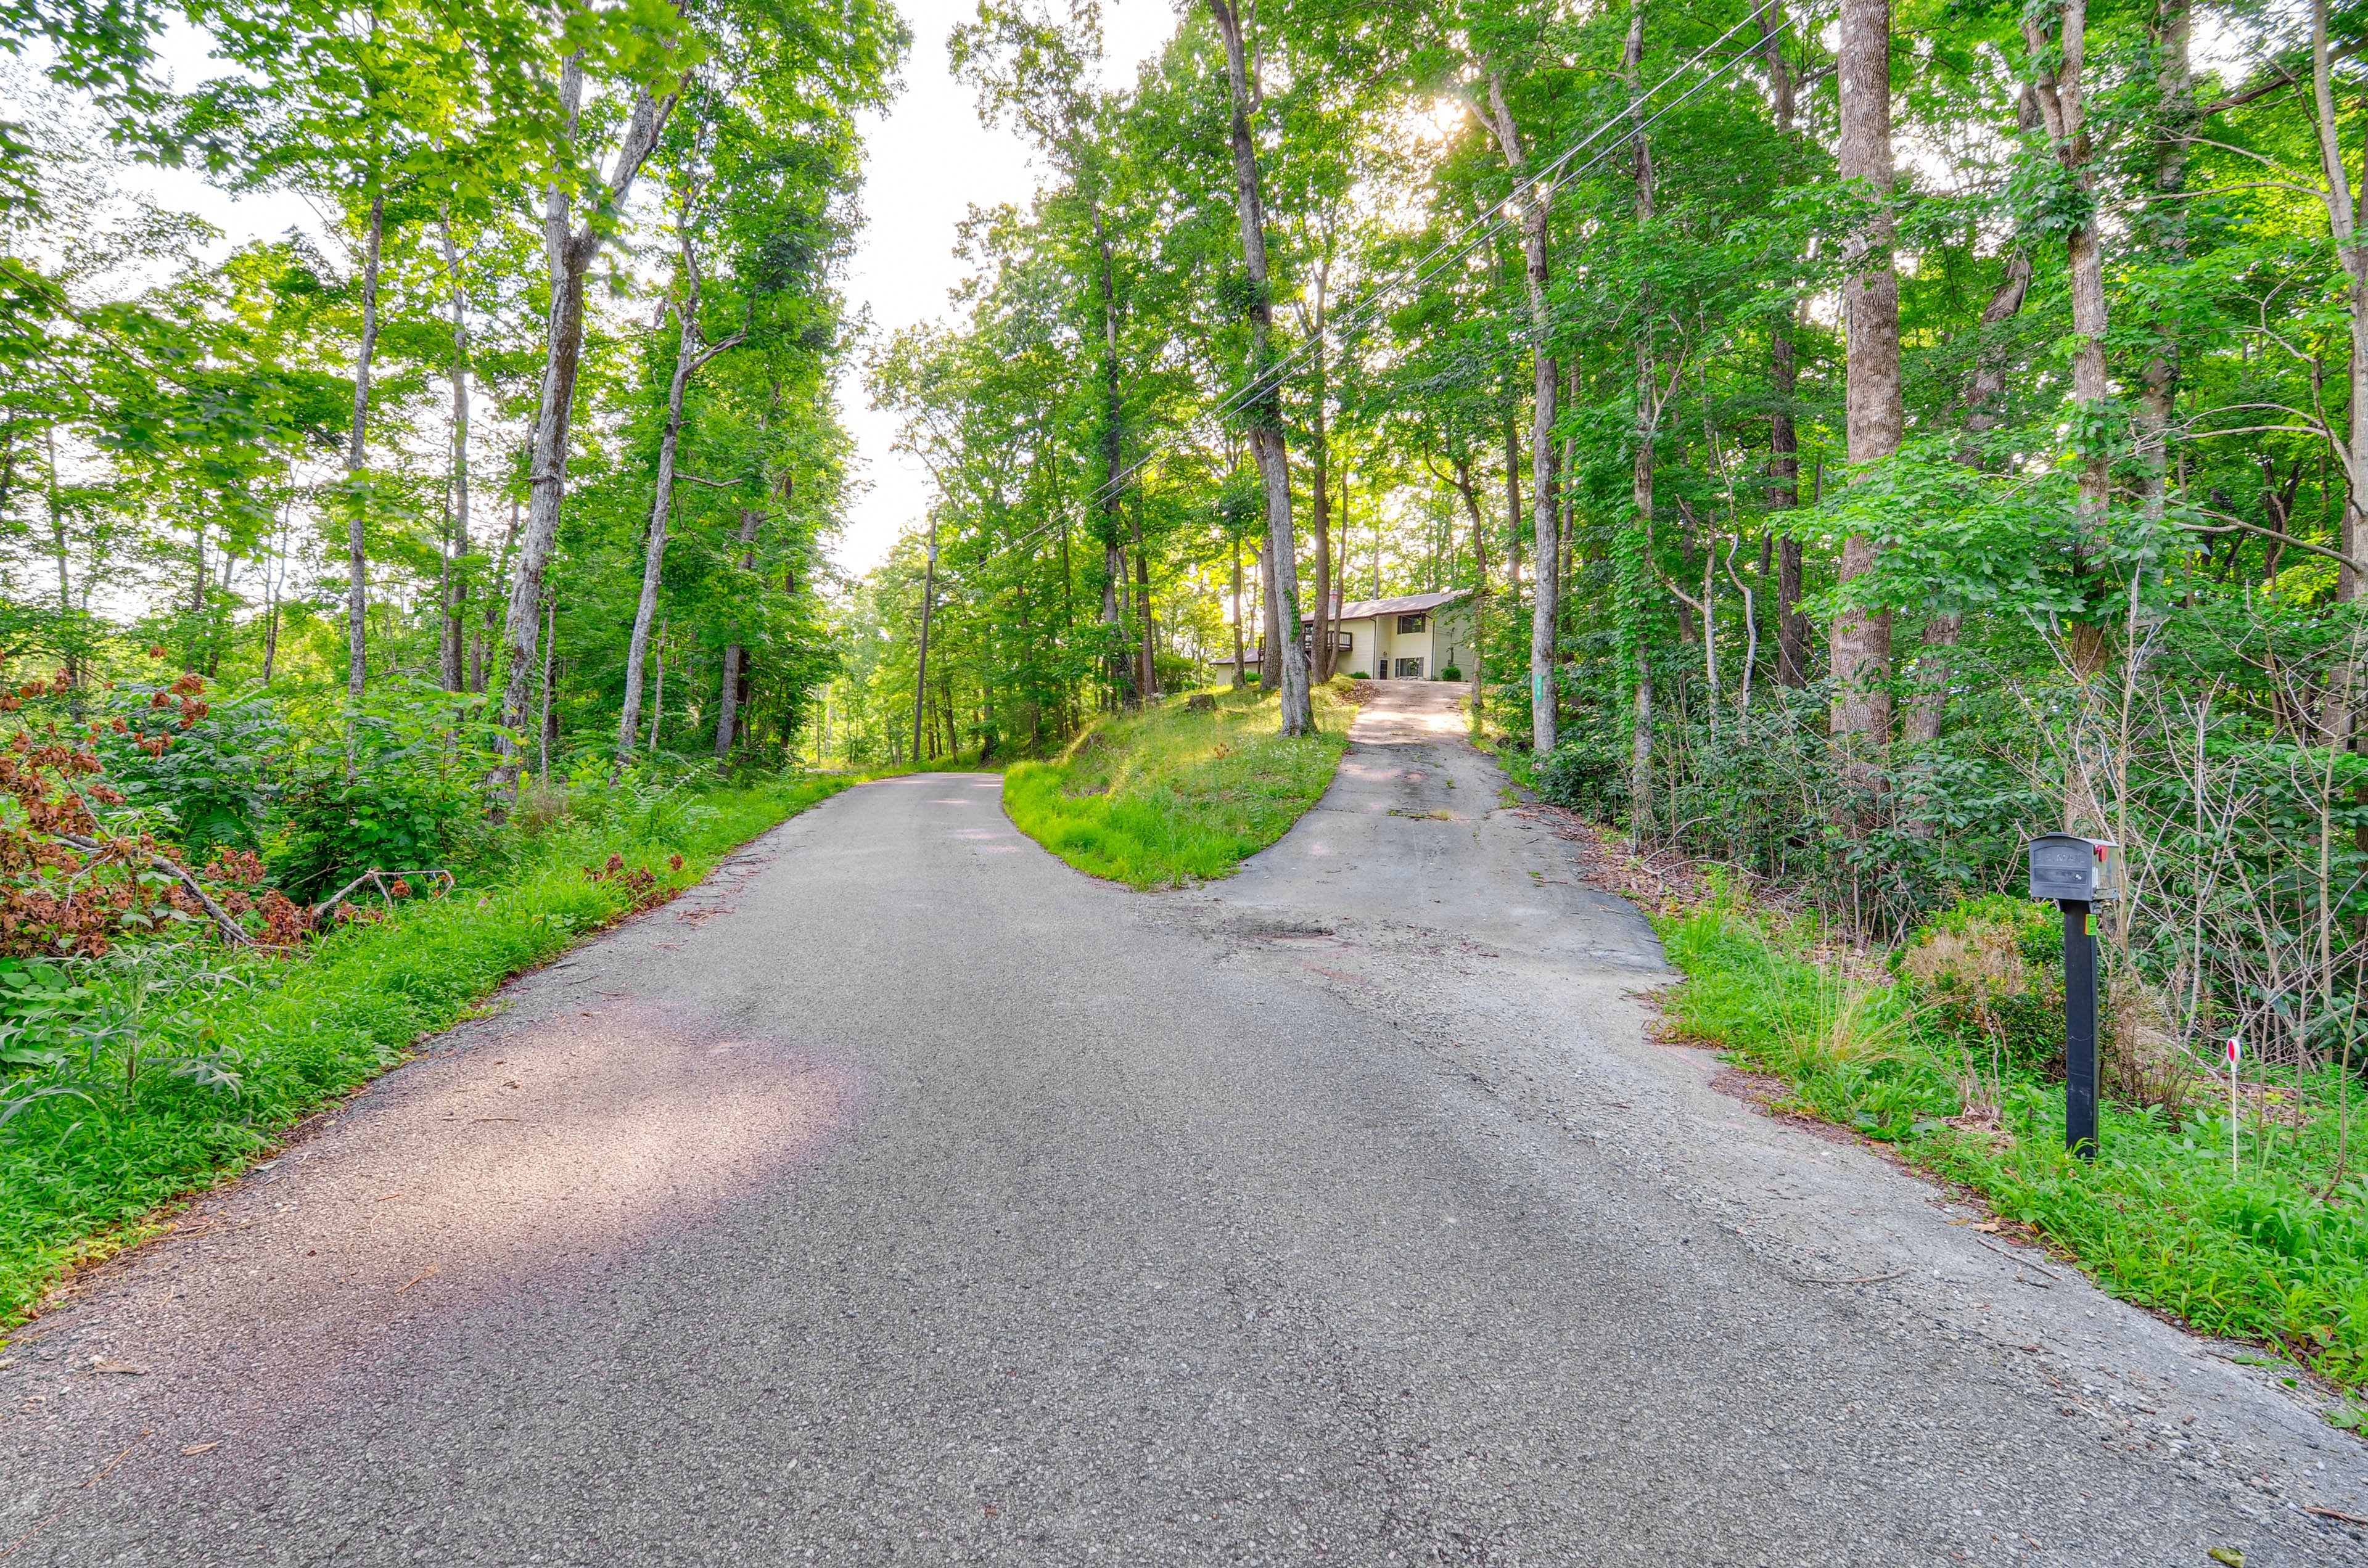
(1168, 797)
(1520, 764)
(2275, 1252)
(84, 1175)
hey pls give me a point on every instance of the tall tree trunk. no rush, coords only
(1643, 822)
(2057, 84)
(1265, 410)
(1792, 630)
(921, 669)
(727, 701)
(1928, 703)
(1241, 653)
(1566, 510)
(1320, 452)
(1512, 523)
(2163, 227)
(1920, 724)
(275, 574)
(547, 728)
(1875, 410)
(1985, 392)
(1642, 814)
(57, 525)
(1121, 663)
(1340, 583)
(657, 703)
(489, 629)
(569, 252)
(1270, 621)
(1794, 641)
(1928, 699)
(357, 451)
(194, 657)
(1470, 491)
(456, 596)
(689, 354)
(1128, 683)
(1537, 210)
(2344, 200)
(1147, 680)
(66, 618)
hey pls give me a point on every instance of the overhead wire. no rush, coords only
(1448, 251)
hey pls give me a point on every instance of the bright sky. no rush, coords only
(928, 161)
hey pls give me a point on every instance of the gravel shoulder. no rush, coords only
(905, 1196)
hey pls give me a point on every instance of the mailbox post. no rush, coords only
(2078, 874)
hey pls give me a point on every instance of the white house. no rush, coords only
(1411, 638)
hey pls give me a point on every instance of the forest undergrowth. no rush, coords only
(1176, 794)
(1948, 1050)
(157, 1070)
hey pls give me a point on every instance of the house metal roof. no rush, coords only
(1361, 609)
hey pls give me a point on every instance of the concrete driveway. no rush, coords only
(905, 1196)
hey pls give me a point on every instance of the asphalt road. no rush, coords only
(903, 1196)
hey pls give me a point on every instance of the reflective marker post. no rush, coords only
(2078, 874)
(2236, 1055)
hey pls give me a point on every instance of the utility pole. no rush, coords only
(921, 672)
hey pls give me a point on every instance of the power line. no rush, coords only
(1455, 248)
(1554, 175)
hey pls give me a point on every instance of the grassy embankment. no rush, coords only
(1170, 796)
(2274, 1251)
(84, 1175)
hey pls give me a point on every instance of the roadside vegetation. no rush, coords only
(1179, 793)
(1952, 1051)
(2061, 528)
(208, 930)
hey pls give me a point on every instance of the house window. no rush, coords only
(1409, 624)
(1409, 669)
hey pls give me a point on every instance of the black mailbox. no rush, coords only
(2078, 874)
(2063, 865)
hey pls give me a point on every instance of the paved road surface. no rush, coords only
(903, 1196)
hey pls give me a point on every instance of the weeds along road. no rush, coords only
(903, 1196)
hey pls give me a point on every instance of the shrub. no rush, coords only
(1990, 969)
(199, 765)
(42, 1006)
(411, 800)
(2271, 1250)
(74, 884)
(1587, 771)
(650, 802)
(1450, 673)
(187, 1066)
(335, 828)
